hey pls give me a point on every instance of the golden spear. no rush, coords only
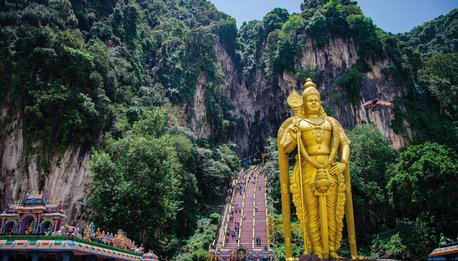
(295, 102)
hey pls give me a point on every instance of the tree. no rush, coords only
(275, 19)
(370, 157)
(212, 173)
(227, 30)
(272, 171)
(438, 35)
(137, 183)
(440, 75)
(197, 245)
(62, 13)
(423, 183)
(146, 187)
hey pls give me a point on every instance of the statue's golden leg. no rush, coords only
(324, 226)
(331, 201)
(313, 223)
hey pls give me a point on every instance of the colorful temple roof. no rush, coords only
(445, 252)
(36, 225)
(35, 214)
(49, 245)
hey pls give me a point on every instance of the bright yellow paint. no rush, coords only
(319, 184)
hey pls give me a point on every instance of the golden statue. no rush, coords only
(320, 184)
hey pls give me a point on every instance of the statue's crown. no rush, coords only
(308, 83)
(310, 88)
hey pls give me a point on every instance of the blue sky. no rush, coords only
(395, 16)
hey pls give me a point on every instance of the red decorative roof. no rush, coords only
(450, 249)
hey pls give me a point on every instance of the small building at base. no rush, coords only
(446, 252)
(37, 248)
(32, 229)
(33, 215)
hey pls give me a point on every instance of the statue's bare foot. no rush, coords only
(334, 255)
(357, 257)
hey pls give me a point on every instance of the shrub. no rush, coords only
(352, 82)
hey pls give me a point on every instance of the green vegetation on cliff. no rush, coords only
(437, 36)
(71, 67)
(120, 78)
(114, 76)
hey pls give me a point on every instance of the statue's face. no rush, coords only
(312, 104)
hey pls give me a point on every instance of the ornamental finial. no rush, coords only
(308, 83)
(294, 99)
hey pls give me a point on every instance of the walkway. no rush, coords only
(245, 217)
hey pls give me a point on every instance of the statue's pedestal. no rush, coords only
(308, 258)
(315, 258)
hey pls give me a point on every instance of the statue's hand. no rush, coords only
(293, 130)
(337, 168)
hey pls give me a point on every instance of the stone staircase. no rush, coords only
(245, 215)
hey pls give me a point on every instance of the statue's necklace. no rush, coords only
(332, 155)
(318, 129)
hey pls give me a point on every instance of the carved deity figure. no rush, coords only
(87, 233)
(320, 181)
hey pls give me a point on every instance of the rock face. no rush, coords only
(198, 117)
(68, 179)
(259, 101)
(262, 104)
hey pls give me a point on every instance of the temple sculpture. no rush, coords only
(33, 229)
(320, 181)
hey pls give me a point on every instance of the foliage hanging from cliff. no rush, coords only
(436, 36)
(351, 81)
(227, 32)
(279, 53)
(70, 66)
(281, 47)
(440, 75)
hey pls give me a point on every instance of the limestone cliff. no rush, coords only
(174, 54)
(67, 181)
(197, 115)
(262, 104)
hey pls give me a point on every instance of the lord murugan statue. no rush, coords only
(320, 181)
